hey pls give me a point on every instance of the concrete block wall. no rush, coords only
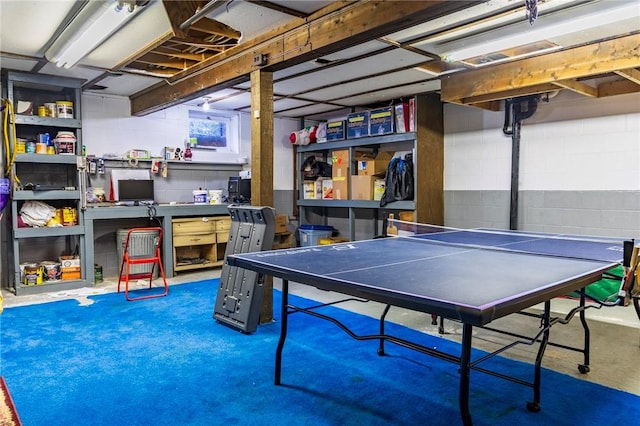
(579, 167)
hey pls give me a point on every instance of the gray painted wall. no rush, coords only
(602, 213)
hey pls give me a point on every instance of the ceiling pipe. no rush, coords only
(516, 110)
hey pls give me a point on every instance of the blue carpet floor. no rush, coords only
(167, 362)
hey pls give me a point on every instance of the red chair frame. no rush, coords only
(141, 259)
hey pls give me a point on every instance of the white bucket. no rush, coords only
(200, 197)
(64, 109)
(215, 196)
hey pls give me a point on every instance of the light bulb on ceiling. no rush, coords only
(205, 105)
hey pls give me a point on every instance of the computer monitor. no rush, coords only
(136, 190)
(239, 189)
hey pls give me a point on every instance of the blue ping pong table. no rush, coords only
(451, 274)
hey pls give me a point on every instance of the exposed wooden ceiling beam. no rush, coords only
(327, 31)
(198, 57)
(178, 65)
(630, 74)
(600, 58)
(210, 26)
(578, 87)
(614, 88)
(482, 100)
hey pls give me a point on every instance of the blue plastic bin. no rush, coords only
(310, 234)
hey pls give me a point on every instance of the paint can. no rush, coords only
(51, 270)
(97, 273)
(200, 197)
(215, 196)
(64, 109)
(21, 146)
(30, 147)
(41, 148)
(50, 109)
(65, 143)
(69, 216)
(32, 274)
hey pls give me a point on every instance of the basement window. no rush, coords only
(213, 131)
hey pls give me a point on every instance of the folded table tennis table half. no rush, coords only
(452, 274)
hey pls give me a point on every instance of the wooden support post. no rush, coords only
(262, 161)
(429, 162)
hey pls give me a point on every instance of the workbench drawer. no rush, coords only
(194, 239)
(223, 224)
(222, 237)
(194, 226)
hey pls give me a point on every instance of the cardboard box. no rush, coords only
(368, 165)
(335, 130)
(362, 187)
(312, 189)
(361, 161)
(282, 241)
(340, 188)
(406, 215)
(381, 121)
(378, 189)
(327, 189)
(69, 263)
(70, 275)
(340, 163)
(70, 267)
(358, 125)
(281, 223)
(402, 117)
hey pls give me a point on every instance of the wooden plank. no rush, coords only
(429, 161)
(600, 58)
(262, 161)
(630, 74)
(327, 31)
(578, 87)
(492, 97)
(614, 88)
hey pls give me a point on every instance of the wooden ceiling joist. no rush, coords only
(177, 65)
(630, 74)
(327, 31)
(210, 26)
(486, 101)
(197, 57)
(601, 58)
(615, 88)
(578, 87)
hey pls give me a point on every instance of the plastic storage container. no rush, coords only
(310, 234)
(143, 243)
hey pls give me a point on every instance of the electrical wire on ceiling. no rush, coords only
(532, 10)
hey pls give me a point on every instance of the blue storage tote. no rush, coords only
(310, 234)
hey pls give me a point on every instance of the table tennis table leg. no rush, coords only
(465, 369)
(284, 321)
(534, 405)
(584, 368)
(382, 319)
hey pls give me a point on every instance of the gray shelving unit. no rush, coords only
(390, 142)
(29, 244)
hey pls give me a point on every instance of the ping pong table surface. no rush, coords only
(474, 276)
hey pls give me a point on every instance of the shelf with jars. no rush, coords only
(47, 179)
